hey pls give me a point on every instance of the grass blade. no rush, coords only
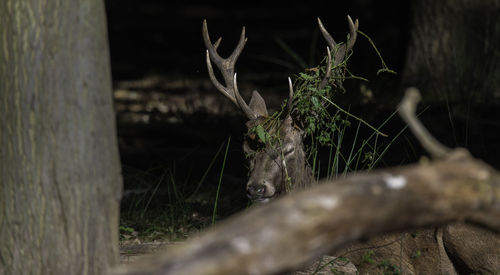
(220, 181)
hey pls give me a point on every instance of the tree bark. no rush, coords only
(289, 232)
(453, 53)
(59, 164)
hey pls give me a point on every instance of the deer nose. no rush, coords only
(256, 190)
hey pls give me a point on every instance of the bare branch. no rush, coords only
(407, 111)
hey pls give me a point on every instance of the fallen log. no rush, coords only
(288, 233)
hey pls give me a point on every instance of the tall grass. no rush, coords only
(214, 213)
(161, 203)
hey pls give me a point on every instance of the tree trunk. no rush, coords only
(59, 164)
(453, 53)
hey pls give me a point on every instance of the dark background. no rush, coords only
(165, 36)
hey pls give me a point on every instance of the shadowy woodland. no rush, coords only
(177, 141)
(180, 140)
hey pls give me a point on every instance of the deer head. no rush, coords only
(279, 164)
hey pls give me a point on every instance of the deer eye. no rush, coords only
(289, 151)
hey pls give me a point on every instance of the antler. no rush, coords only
(226, 67)
(340, 55)
(342, 51)
(328, 69)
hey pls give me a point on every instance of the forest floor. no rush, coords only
(173, 136)
(130, 252)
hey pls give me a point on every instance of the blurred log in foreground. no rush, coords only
(290, 232)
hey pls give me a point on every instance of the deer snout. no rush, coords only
(260, 191)
(256, 190)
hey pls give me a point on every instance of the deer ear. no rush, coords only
(258, 105)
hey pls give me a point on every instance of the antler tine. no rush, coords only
(226, 67)
(217, 43)
(353, 32)
(328, 69)
(239, 48)
(212, 48)
(289, 104)
(243, 106)
(216, 83)
(213, 55)
(353, 28)
(326, 35)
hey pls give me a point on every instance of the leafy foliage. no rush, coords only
(323, 121)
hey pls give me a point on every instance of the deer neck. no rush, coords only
(301, 175)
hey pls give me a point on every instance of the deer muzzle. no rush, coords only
(260, 191)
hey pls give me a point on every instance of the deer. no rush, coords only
(275, 169)
(278, 168)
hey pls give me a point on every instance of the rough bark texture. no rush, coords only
(289, 232)
(59, 164)
(453, 53)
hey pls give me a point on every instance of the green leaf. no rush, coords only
(315, 102)
(261, 133)
(312, 127)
